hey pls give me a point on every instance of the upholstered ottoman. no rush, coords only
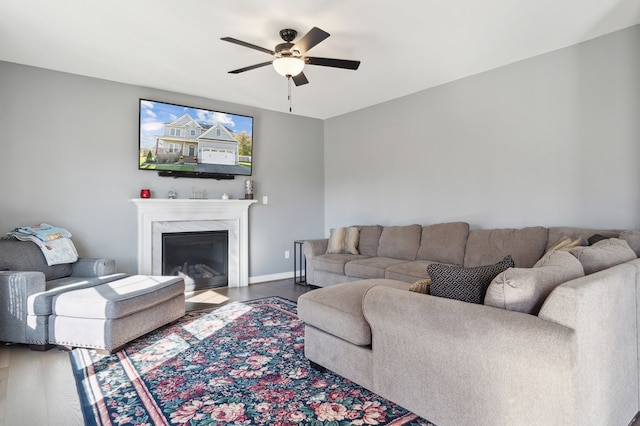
(109, 315)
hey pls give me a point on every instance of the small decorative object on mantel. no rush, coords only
(145, 193)
(171, 195)
(198, 194)
(225, 196)
(248, 189)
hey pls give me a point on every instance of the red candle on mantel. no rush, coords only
(145, 193)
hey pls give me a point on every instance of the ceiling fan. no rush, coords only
(290, 58)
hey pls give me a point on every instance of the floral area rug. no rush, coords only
(240, 364)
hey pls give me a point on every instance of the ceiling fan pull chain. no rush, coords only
(289, 91)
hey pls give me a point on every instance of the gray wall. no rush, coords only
(552, 140)
(68, 156)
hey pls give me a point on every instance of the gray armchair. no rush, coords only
(28, 285)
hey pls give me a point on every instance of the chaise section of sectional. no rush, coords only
(452, 362)
(337, 335)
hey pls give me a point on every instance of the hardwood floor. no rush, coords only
(37, 388)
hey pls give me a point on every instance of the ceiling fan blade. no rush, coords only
(300, 79)
(335, 63)
(310, 39)
(251, 67)
(249, 45)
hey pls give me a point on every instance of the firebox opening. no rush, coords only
(201, 258)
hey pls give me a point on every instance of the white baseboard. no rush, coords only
(272, 277)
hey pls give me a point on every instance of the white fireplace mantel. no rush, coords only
(177, 215)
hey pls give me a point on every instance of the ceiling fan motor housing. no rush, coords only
(288, 34)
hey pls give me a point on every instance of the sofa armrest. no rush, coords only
(434, 353)
(314, 248)
(88, 267)
(602, 308)
(15, 289)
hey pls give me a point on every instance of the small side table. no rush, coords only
(299, 263)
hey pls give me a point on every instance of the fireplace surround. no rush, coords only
(162, 216)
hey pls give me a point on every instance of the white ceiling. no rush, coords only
(405, 45)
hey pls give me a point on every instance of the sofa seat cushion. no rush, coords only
(408, 271)
(334, 263)
(373, 267)
(41, 303)
(337, 310)
(525, 289)
(487, 246)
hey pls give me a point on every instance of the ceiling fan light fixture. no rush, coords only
(288, 66)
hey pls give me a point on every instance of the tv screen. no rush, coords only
(182, 141)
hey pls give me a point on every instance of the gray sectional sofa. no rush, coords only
(557, 344)
(404, 252)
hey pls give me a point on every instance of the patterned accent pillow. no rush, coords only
(421, 286)
(465, 284)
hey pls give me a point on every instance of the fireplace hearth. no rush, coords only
(201, 258)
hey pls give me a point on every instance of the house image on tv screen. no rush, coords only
(198, 144)
(184, 139)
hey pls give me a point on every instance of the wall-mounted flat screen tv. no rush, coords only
(183, 141)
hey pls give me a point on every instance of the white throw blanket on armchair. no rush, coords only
(54, 242)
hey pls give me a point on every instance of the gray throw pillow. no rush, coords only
(525, 289)
(465, 284)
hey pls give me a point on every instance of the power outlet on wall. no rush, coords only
(286, 254)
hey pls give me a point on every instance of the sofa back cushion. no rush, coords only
(444, 242)
(633, 239)
(400, 242)
(486, 246)
(558, 232)
(603, 254)
(525, 289)
(26, 256)
(369, 239)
